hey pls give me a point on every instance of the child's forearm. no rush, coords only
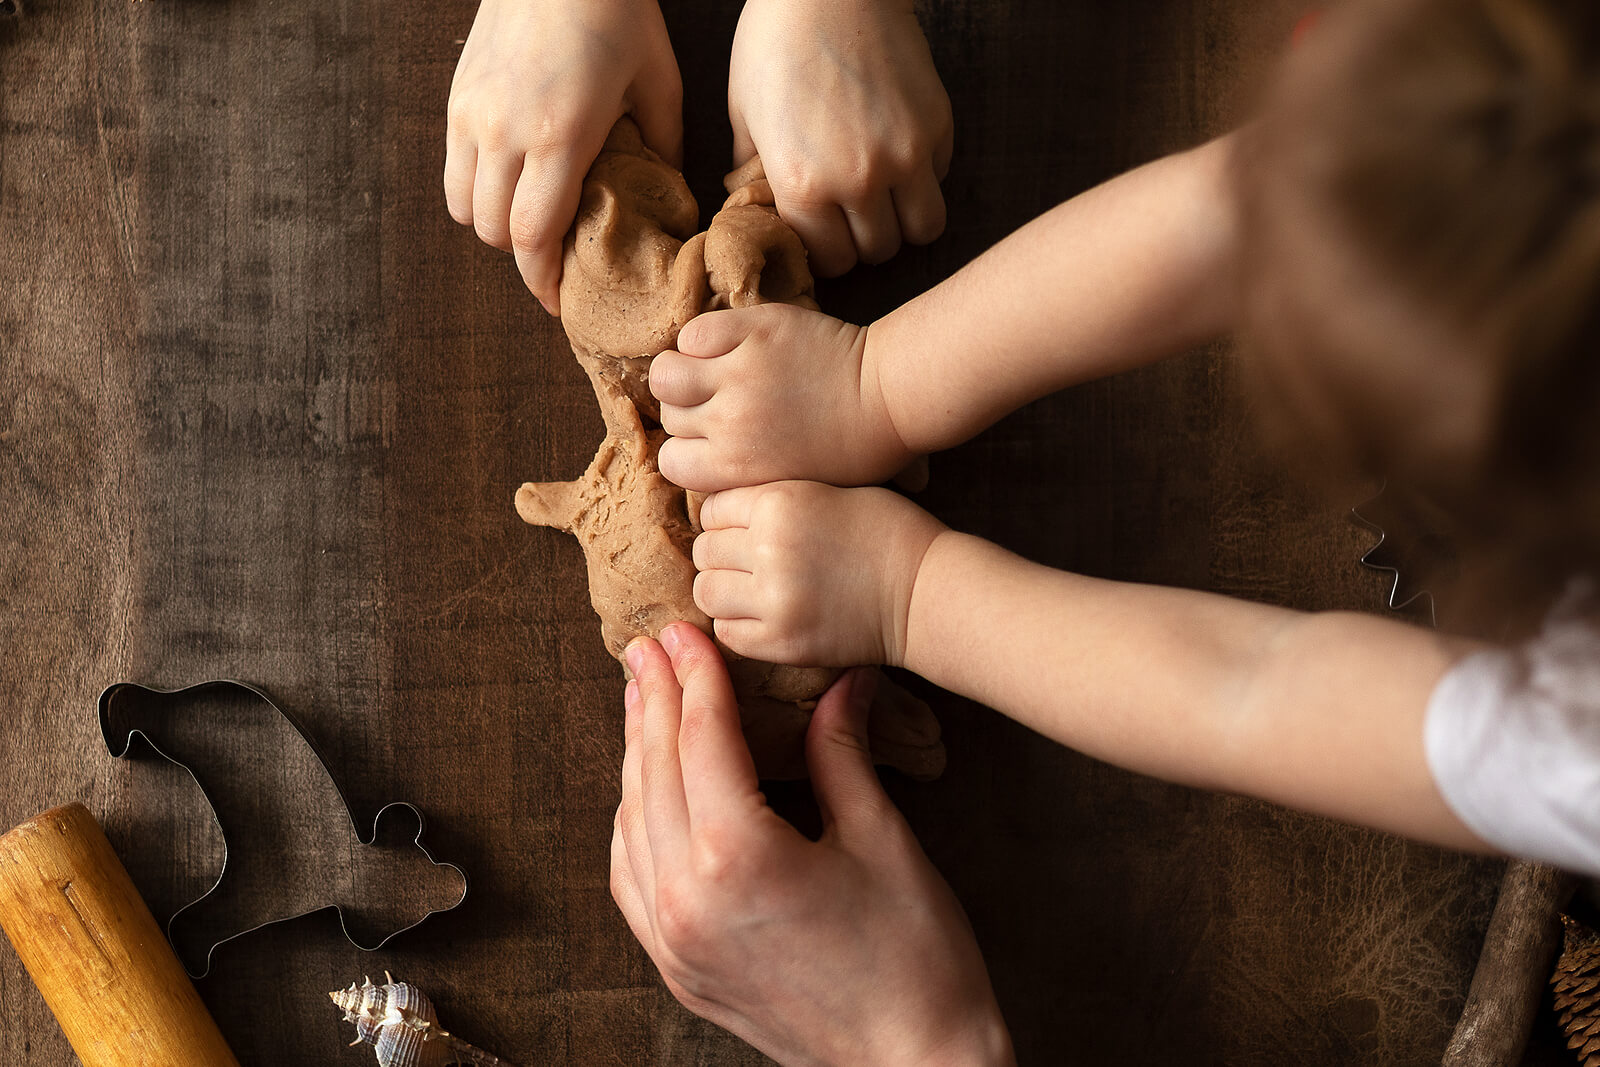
(1134, 270)
(1320, 712)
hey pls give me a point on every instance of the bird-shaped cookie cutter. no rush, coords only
(128, 711)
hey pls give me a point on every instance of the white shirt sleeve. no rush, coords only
(1513, 742)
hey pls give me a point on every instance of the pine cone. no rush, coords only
(1576, 984)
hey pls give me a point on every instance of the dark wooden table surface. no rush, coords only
(262, 410)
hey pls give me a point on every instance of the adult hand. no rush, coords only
(842, 101)
(847, 950)
(538, 87)
(765, 393)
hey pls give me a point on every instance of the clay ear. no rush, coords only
(752, 257)
(556, 504)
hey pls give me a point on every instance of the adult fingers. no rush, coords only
(681, 380)
(657, 99)
(719, 775)
(546, 203)
(716, 333)
(919, 205)
(630, 813)
(460, 170)
(824, 232)
(729, 508)
(944, 151)
(722, 550)
(625, 889)
(493, 186)
(838, 753)
(666, 814)
(726, 594)
(743, 146)
(874, 228)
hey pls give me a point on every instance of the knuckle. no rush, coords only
(531, 232)
(680, 918)
(496, 129)
(553, 132)
(801, 184)
(686, 990)
(722, 859)
(490, 230)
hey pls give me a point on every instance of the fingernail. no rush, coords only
(630, 695)
(633, 655)
(670, 639)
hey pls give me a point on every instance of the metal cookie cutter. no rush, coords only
(1411, 548)
(269, 786)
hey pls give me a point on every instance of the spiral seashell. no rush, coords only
(398, 1020)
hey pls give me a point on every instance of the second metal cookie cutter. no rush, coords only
(291, 845)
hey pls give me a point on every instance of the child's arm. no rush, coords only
(1139, 268)
(1322, 712)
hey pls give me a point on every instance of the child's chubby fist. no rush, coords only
(537, 89)
(804, 573)
(773, 392)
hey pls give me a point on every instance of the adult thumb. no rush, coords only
(839, 755)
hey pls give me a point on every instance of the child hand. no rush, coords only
(538, 87)
(766, 393)
(850, 949)
(842, 101)
(797, 572)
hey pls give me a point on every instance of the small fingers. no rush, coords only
(748, 637)
(684, 460)
(716, 333)
(722, 550)
(919, 205)
(729, 508)
(681, 380)
(726, 594)
(874, 227)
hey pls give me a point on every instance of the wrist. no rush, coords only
(983, 1041)
(878, 344)
(906, 642)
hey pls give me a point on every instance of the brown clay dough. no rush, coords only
(635, 271)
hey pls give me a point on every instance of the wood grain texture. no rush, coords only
(262, 410)
(95, 951)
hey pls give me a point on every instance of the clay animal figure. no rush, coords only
(292, 846)
(398, 1020)
(635, 272)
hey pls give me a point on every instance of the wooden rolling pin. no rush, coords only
(95, 951)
